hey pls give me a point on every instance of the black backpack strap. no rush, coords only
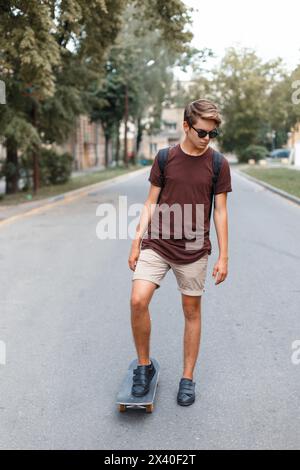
(217, 163)
(162, 158)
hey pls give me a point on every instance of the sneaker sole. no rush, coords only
(185, 404)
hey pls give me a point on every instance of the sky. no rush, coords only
(272, 28)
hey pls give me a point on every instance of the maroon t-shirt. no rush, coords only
(188, 180)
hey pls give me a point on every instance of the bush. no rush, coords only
(257, 152)
(54, 168)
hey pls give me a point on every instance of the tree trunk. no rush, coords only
(106, 150)
(118, 143)
(12, 177)
(139, 134)
(35, 156)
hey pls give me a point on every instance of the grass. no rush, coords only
(74, 183)
(282, 178)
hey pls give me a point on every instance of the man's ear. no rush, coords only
(185, 126)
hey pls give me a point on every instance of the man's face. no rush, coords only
(205, 124)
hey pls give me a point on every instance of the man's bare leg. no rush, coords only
(192, 332)
(141, 295)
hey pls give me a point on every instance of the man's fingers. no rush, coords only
(132, 265)
(221, 278)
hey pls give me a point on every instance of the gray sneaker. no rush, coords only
(141, 380)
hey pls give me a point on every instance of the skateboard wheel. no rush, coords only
(122, 408)
(149, 408)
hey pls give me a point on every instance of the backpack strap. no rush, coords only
(162, 158)
(217, 163)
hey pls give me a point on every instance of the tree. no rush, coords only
(50, 51)
(138, 69)
(28, 54)
(284, 107)
(52, 59)
(242, 87)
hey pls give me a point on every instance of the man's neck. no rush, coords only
(190, 149)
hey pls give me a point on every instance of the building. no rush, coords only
(86, 144)
(171, 133)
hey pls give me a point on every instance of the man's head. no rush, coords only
(201, 115)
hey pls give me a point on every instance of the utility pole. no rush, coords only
(125, 127)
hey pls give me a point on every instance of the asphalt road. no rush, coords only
(65, 322)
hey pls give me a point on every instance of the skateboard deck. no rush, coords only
(126, 400)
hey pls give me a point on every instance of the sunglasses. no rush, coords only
(202, 133)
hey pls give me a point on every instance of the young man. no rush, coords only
(188, 180)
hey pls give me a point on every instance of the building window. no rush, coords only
(170, 126)
(153, 148)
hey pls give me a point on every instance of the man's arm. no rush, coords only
(147, 212)
(146, 215)
(221, 224)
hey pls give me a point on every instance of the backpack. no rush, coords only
(218, 158)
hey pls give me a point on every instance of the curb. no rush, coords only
(270, 187)
(44, 204)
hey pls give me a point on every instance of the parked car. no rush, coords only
(280, 153)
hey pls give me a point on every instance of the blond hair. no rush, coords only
(202, 108)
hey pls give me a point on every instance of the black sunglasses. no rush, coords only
(202, 133)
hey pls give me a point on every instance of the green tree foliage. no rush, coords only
(255, 98)
(243, 85)
(284, 104)
(139, 67)
(49, 52)
(53, 59)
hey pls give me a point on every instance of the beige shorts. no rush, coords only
(190, 277)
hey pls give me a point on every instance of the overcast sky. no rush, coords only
(272, 27)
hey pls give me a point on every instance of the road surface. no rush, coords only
(65, 325)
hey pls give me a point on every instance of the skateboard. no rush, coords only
(126, 400)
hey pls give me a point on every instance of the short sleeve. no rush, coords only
(155, 173)
(224, 179)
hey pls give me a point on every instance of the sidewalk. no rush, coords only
(10, 213)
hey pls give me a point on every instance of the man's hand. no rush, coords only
(134, 254)
(220, 270)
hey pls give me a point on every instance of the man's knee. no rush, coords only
(139, 303)
(191, 307)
